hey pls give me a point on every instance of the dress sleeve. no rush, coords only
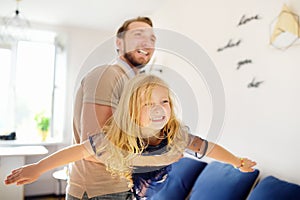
(198, 146)
(94, 144)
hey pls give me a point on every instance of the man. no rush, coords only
(96, 98)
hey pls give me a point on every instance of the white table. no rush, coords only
(12, 157)
(61, 175)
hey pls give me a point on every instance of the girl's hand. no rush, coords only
(24, 175)
(246, 165)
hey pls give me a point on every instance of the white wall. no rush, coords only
(262, 123)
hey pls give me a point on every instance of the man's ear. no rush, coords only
(119, 43)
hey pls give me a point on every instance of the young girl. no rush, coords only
(141, 138)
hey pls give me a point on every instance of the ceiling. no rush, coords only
(96, 14)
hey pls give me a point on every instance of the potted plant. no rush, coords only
(42, 123)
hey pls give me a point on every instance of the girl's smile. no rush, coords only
(155, 112)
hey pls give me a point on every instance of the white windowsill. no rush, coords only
(23, 150)
(19, 142)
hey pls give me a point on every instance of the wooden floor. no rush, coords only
(49, 197)
(46, 198)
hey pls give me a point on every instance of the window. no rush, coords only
(32, 80)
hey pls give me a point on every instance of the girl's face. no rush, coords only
(156, 111)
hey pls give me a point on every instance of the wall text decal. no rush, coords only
(245, 19)
(254, 84)
(230, 44)
(243, 62)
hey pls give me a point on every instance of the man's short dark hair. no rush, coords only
(124, 27)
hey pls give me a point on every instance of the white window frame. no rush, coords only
(59, 85)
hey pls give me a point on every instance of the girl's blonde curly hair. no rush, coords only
(123, 133)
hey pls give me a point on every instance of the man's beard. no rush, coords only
(133, 61)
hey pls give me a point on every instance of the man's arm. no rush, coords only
(93, 118)
(156, 160)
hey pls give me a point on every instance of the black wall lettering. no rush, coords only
(243, 62)
(245, 19)
(254, 84)
(230, 44)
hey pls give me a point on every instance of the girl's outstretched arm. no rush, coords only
(30, 173)
(218, 152)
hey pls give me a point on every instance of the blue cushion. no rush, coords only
(181, 179)
(275, 189)
(222, 181)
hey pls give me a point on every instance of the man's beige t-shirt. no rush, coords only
(103, 85)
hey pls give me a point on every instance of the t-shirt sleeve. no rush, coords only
(104, 85)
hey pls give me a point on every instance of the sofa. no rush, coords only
(197, 180)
